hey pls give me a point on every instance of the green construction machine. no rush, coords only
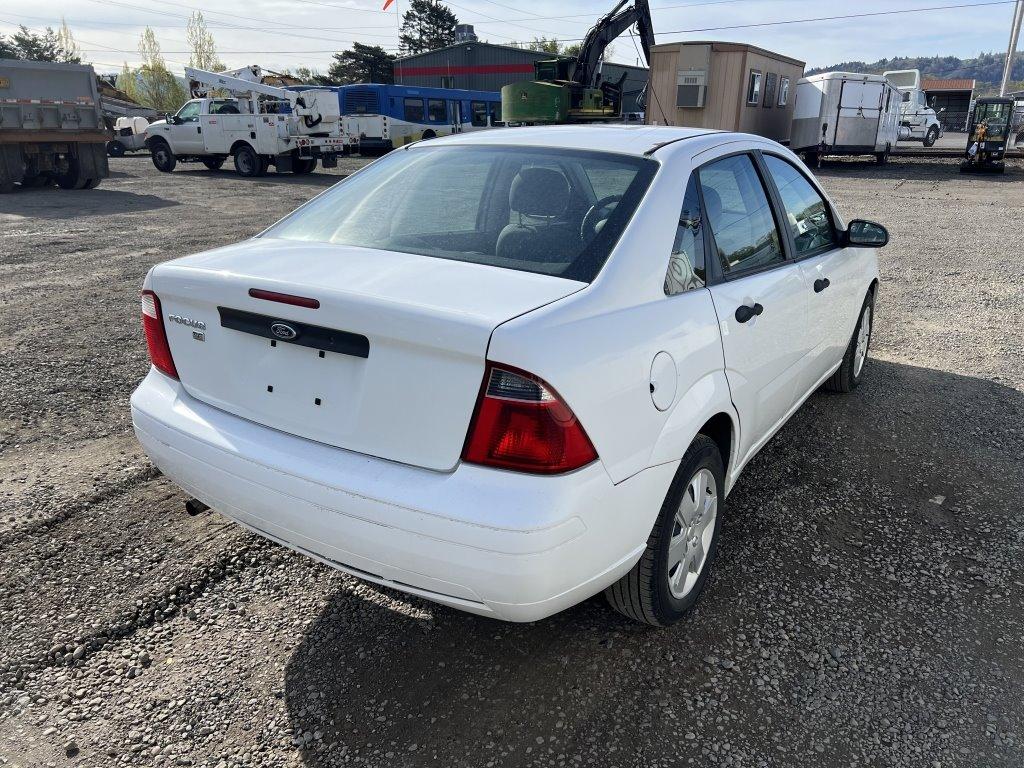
(572, 90)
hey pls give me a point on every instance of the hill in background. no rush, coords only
(987, 69)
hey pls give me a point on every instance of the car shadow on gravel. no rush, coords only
(860, 577)
(53, 203)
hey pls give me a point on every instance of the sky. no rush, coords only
(286, 34)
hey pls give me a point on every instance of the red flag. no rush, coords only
(386, 4)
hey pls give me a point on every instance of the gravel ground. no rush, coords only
(865, 610)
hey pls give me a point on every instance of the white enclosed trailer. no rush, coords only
(257, 125)
(844, 113)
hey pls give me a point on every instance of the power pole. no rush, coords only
(1018, 18)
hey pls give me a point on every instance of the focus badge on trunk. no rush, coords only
(283, 331)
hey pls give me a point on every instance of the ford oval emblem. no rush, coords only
(283, 331)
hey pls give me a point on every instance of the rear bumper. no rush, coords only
(503, 544)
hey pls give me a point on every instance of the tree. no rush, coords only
(68, 50)
(157, 87)
(362, 64)
(201, 44)
(128, 81)
(545, 44)
(311, 76)
(7, 49)
(426, 26)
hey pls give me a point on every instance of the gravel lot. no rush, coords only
(866, 609)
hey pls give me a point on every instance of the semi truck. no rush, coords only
(258, 125)
(845, 113)
(51, 126)
(918, 121)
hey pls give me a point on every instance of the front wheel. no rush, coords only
(931, 137)
(163, 158)
(673, 570)
(247, 162)
(115, 148)
(851, 370)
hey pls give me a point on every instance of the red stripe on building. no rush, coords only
(479, 69)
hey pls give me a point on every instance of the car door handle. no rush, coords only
(821, 284)
(745, 312)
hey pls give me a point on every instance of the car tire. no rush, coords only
(657, 591)
(214, 163)
(115, 149)
(163, 158)
(851, 370)
(931, 137)
(248, 163)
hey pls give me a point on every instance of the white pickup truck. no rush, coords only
(258, 126)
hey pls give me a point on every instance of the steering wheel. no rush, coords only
(594, 215)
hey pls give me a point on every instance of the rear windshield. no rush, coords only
(556, 212)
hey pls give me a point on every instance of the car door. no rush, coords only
(830, 271)
(186, 132)
(759, 297)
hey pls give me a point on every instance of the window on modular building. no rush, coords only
(479, 113)
(414, 110)
(770, 81)
(436, 112)
(754, 87)
(783, 91)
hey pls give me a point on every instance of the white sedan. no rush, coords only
(504, 372)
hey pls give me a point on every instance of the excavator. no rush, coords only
(572, 90)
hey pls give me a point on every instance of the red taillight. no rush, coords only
(521, 423)
(156, 338)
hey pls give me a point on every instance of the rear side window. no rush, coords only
(739, 215)
(523, 208)
(414, 110)
(437, 111)
(686, 264)
(479, 113)
(806, 211)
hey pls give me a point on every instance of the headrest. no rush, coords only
(539, 192)
(713, 203)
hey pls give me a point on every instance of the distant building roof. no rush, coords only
(937, 84)
(528, 52)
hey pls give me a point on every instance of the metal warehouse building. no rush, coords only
(487, 67)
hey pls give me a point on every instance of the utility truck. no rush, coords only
(918, 121)
(51, 126)
(256, 124)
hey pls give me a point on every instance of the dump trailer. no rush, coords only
(51, 126)
(573, 90)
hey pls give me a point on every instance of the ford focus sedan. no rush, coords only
(507, 370)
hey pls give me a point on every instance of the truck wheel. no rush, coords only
(73, 179)
(851, 369)
(6, 186)
(882, 157)
(115, 148)
(303, 165)
(671, 573)
(214, 163)
(92, 183)
(163, 158)
(247, 162)
(931, 137)
(34, 182)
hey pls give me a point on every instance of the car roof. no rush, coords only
(624, 139)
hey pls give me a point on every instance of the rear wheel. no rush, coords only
(883, 157)
(247, 162)
(73, 178)
(931, 137)
(214, 163)
(34, 182)
(851, 370)
(92, 183)
(303, 165)
(115, 148)
(163, 158)
(673, 570)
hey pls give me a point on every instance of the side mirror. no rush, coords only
(174, 120)
(865, 234)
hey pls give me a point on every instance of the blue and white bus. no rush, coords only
(387, 116)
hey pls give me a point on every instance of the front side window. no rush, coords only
(436, 111)
(754, 87)
(783, 91)
(478, 110)
(686, 264)
(739, 215)
(806, 211)
(414, 110)
(522, 208)
(189, 112)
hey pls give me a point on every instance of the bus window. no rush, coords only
(414, 110)
(495, 112)
(479, 112)
(436, 112)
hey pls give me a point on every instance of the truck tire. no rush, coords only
(163, 158)
(303, 165)
(657, 590)
(850, 371)
(115, 148)
(214, 163)
(39, 180)
(883, 157)
(6, 186)
(248, 163)
(74, 178)
(92, 183)
(931, 137)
